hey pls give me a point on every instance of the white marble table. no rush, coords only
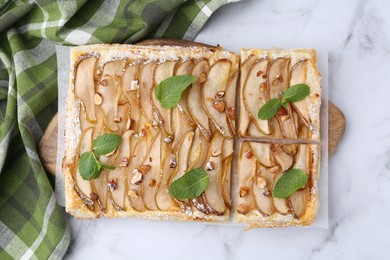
(357, 36)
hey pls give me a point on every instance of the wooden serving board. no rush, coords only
(47, 148)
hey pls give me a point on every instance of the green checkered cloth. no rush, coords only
(32, 225)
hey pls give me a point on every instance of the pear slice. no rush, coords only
(180, 127)
(226, 180)
(246, 170)
(124, 112)
(163, 71)
(255, 93)
(84, 85)
(196, 149)
(262, 151)
(182, 156)
(185, 68)
(117, 177)
(297, 76)
(110, 89)
(278, 82)
(230, 95)
(194, 99)
(280, 204)
(262, 191)
(131, 91)
(145, 90)
(215, 84)
(98, 124)
(299, 199)
(83, 187)
(213, 194)
(141, 150)
(227, 148)
(153, 175)
(244, 116)
(164, 201)
(284, 159)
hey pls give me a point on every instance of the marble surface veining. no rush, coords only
(357, 37)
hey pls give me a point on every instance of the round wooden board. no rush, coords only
(47, 148)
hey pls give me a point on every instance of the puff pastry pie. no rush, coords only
(111, 91)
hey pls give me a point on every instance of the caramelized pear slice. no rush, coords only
(213, 193)
(135, 189)
(145, 87)
(194, 98)
(297, 76)
(84, 85)
(280, 204)
(226, 180)
(262, 191)
(98, 124)
(110, 90)
(180, 127)
(162, 72)
(278, 81)
(262, 151)
(131, 91)
(84, 188)
(255, 93)
(196, 149)
(246, 170)
(185, 69)
(230, 95)
(153, 175)
(244, 116)
(164, 201)
(298, 200)
(182, 156)
(117, 177)
(215, 85)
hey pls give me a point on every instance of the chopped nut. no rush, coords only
(259, 73)
(168, 139)
(202, 78)
(152, 183)
(244, 192)
(93, 196)
(172, 162)
(103, 82)
(124, 162)
(117, 119)
(263, 86)
(317, 95)
(266, 193)
(134, 85)
(112, 184)
(274, 169)
(144, 169)
(137, 177)
(209, 166)
(220, 94)
(98, 72)
(219, 106)
(150, 159)
(147, 125)
(243, 209)
(133, 194)
(261, 182)
(264, 75)
(249, 155)
(98, 99)
(128, 124)
(230, 112)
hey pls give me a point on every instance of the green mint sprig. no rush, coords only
(169, 91)
(294, 93)
(291, 181)
(191, 185)
(89, 165)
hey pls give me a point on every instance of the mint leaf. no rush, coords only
(291, 181)
(88, 166)
(107, 166)
(269, 109)
(296, 93)
(106, 143)
(169, 91)
(190, 185)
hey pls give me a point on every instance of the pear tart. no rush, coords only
(267, 74)
(112, 91)
(259, 167)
